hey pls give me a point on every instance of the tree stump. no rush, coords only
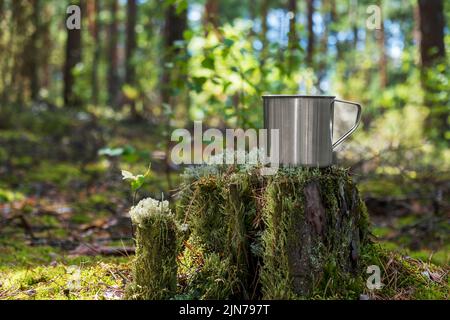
(295, 234)
(154, 266)
(300, 234)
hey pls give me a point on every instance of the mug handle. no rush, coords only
(352, 129)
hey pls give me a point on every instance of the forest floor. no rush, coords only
(65, 232)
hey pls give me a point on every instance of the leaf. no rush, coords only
(197, 83)
(111, 152)
(228, 42)
(136, 184)
(208, 63)
(130, 92)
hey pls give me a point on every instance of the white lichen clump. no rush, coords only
(146, 208)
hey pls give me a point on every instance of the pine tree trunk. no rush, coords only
(293, 42)
(96, 30)
(211, 16)
(264, 28)
(113, 58)
(432, 51)
(311, 36)
(73, 57)
(34, 48)
(432, 24)
(382, 53)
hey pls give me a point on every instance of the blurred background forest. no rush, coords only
(77, 106)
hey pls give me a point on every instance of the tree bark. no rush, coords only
(174, 27)
(382, 53)
(311, 36)
(34, 50)
(432, 24)
(73, 57)
(333, 30)
(432, 52)
(264, 28)
(130, 72)
(323, 63)
(293, 42)
(113, 58)
(211, 17)
(131, 41)
(96, 30)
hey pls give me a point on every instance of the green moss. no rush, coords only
(207, 276)
(381, 232)
(154, 266)
(59, 174)
(80, 218)
(97, 280)
(257, 221)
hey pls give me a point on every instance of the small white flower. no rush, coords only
(127, 175)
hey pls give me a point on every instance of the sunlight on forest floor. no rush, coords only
(63, 216)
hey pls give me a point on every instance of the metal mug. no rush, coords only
(305, 125)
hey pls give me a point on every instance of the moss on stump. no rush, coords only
(154, 266)
(283, 236)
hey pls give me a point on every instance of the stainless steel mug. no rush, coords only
(305, 126)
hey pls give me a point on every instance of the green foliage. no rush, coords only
(9, 195)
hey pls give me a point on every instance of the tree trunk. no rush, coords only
(131, 41)
(211, 17)
(34, 50)
(73, 57)
(47, 43)
(323, 64)
(113, 58)
(382, 53)
(96, 30)
(130, 71)
(432, 51)
(333, 30)
(293, 43)
(174, 27)
(311, 36)
(264, 28)
(432, 24)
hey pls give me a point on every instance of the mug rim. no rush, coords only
(265, 96)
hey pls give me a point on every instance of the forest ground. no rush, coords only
(65, 231)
